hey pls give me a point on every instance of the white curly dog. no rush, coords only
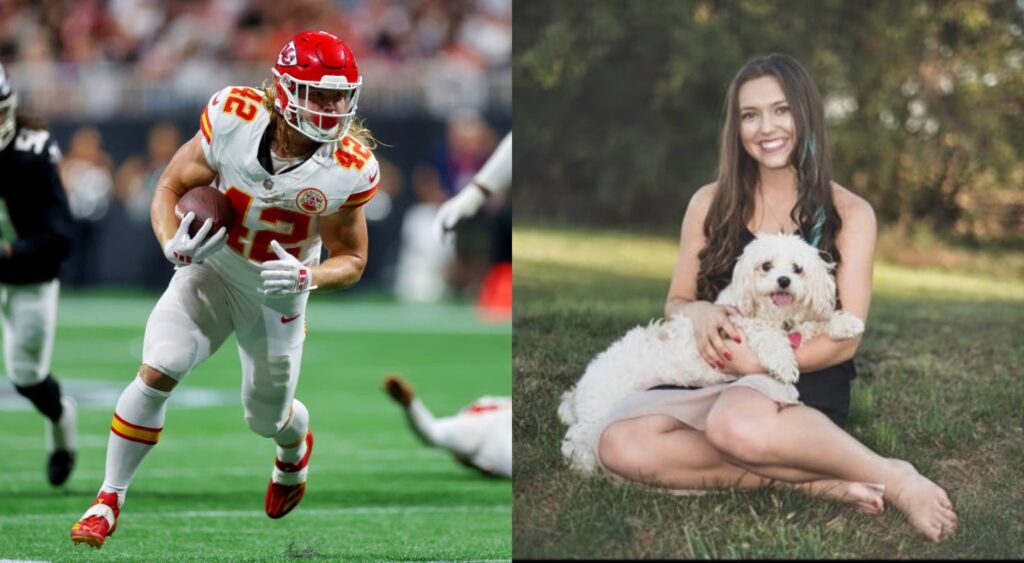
(786, 294)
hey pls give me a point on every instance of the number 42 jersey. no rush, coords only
(286, 206)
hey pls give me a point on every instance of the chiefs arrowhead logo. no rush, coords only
(287, 56)
(311, 201)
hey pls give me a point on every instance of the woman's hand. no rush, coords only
(711, 327)
(743, 362)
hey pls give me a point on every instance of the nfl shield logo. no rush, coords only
(311, 201)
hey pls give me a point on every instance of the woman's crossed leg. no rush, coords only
(751, 441)
(661, 450)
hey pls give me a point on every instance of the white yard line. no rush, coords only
(360, 468)
(312, 512)
(321, 314)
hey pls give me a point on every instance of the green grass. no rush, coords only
(939, 385)
(375, 493)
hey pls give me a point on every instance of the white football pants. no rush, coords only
(198, 311)
(29, 318)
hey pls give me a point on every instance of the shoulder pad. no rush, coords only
(241, 104)
(37, 142)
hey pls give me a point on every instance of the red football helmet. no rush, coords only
(318, 61)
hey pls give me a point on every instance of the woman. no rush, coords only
(774, 176)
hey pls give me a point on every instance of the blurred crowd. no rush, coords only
(436, 73)
(139, 55)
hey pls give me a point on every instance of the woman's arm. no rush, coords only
(856, 244)
(708, 319)
(682, 290)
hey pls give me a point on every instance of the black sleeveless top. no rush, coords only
(827, 390)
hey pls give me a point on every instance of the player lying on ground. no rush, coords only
(35, 235)
(479, 436)
(296, 171)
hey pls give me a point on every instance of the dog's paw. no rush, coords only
(576, 453)
(789, 375)
(785, 371)
(567, 409)
(843, 325)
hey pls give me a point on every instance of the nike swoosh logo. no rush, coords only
(374, 177)
(216, 100)
(286, 320)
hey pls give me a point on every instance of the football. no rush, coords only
(207, 203)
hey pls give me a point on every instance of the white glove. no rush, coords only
(463, 205)
(183, 250)
(285, 276)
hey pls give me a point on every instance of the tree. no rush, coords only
(618, 105)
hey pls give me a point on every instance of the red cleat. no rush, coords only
(288, 483)
(99, 522)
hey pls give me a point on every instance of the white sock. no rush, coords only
(459, 434)
(60, 435)
(134, 430)
(424, 423)
(293, 432)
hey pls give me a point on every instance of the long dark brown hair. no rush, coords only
(733, 205)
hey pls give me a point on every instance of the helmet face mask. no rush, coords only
(302, 103)
(317, 85)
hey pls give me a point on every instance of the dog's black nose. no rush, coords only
(783, 282)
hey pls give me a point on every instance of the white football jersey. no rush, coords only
(286, 206)
(490, 418)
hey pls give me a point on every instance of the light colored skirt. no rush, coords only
(690, 406)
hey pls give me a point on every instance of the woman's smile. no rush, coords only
(772, 146)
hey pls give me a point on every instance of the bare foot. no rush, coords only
(399, 390)
(925, 504)
(867, 497)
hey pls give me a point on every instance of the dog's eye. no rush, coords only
(797, 269)
(766, 266)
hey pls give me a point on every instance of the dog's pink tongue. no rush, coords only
(782, 299)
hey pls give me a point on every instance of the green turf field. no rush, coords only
(375, 493)
(939, 384)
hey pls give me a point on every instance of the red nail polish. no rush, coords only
(737, 339)
(728, 356)
(720, 365)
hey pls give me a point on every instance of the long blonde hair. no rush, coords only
(356, 130)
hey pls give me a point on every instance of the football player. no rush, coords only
(494, 177)
(297, 170)
(35, 226)
(479, 436)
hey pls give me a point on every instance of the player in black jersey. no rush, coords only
(35, 223)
